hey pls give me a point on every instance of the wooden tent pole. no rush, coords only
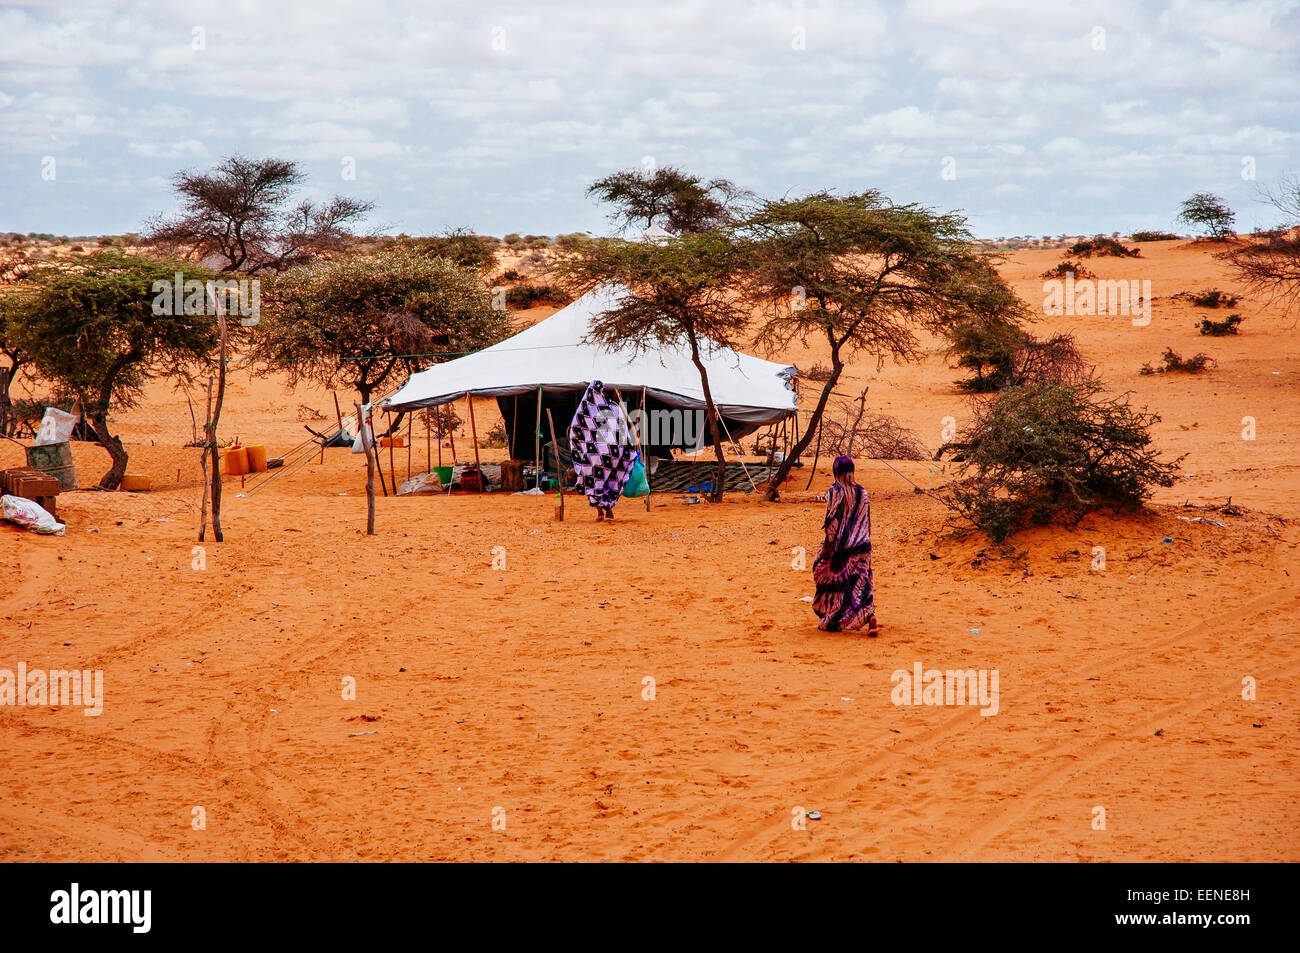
(392, 466)
(537, 442)
(559, 477)
(409, 422)
(645, 462)
(370, 423)
(474, 433)
(428, 445)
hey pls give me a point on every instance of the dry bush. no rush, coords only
(1214, 298)
(1173, 362)
(1102, 246)
(1050, 452)
(1067, 267)
(1222, 328)
(818, 372)
(853, 431)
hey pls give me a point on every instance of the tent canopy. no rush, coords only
(554, 355)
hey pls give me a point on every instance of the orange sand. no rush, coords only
(516, 693)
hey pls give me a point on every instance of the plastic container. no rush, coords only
(396, 442)
(256, 458)
(236, 461)
(136, 483)
(444, 475)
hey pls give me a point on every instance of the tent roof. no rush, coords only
(554, 355)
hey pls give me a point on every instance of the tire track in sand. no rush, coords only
(760, 835)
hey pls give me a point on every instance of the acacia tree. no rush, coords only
(241, 212)
(681, 201)
(864, 275)
(1208, 211)
(1269, 265)
(94, 332)
(676, 292)
(358, 322)
(13, 269)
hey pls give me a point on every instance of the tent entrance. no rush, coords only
(661, 427)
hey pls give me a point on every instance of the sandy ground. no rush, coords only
(501, 710)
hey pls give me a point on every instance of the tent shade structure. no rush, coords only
(555, 358)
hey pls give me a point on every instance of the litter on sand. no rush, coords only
(1200, 519)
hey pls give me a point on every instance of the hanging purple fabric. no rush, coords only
(601, 444)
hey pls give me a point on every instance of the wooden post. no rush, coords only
(428, 451)
(408, 446)
(437, 412)
(374, 445)
(537, 442)
(370, 475)
(392, 466)
(474, 433)
(645, 462)
(559, 475)
(212, 428)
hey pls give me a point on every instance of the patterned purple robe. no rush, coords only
(601, 444)
(846, 597)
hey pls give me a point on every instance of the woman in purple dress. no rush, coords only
(846, 598)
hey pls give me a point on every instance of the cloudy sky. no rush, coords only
(1033, 117)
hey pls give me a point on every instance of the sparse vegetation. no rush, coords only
(1048, 452)
(1064, 268)
(1153, 237)
(1102, 246)
(1222, 328)
(1175, 363)
(530, 295)
(1214, 298)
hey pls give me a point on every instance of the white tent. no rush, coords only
(554, 355)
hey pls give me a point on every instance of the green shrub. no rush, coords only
(1153, 236)
(527, 295)
(1048, 452)
(1067, 267)
(1214, 298)
(1102, 246)
(1175, 363)
(1219, 329)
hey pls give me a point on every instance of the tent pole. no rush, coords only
(559, 477)
(474, 434)
(409, 422)
(644, 462)
(514, 429)
(537, 443)
(428, 445)
(392, 467)
(370, 422)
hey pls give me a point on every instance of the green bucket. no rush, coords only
(56, 460)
